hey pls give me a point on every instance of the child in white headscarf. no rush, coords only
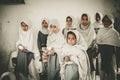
(69, 25)
(98, 23)
(42, 35)
(55, 43)
(74, 59)
(25, 60)
(89, 35)
(42, 43)
(107, 39)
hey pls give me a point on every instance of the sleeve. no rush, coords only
(38, 41)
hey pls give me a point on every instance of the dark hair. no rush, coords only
(44, 21)
(84, 15)
(70, 32)
(21, 22)
(97, 15)
(68, 17)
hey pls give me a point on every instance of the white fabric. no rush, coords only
(80, 39)
(45, 30)
(38, 63)
(11, 75)
(66, 29)
(87, 32)
(108, 36)
(55, 40)
(25, 37)
(78, 56)
(97, 25)
(13, 55)
(110, 16)
(54, 22)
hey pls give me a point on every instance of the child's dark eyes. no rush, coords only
(71, 38)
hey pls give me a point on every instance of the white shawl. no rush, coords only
(97, 25)
(88, 34)
(55, 40)
(25, 37)
(77, 55)
(108, 36)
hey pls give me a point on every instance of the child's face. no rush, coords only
(97, 19)
(84, 20)
(44, 24)
(53, 29)
(71, 39)
(69, 22)
(24, 26)
(106, 22)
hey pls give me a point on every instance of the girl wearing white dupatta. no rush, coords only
(55, 43)
(107, 39)
(69, 25)
(25, 60)
(74, 60)
(89, 35)
(42, 43)
(98, 23)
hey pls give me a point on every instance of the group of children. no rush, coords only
(68, 54)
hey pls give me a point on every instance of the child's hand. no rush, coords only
(41, 52)
(67, 58)
(52, 52)
(24, 50)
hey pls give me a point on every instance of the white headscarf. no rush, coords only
(25, 37)
(72, 23)
(45, 30)
(55, 40)
(67, 28)
(108, 35)
(80, 39)
(98, 24)
(87, 32)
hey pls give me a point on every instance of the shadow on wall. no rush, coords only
(3, 61)
(5, 49)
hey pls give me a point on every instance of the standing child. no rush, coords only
(89, 35)
(107, 39)
(97, 24)
(55, 43)
(74, 59)
(42, 43)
